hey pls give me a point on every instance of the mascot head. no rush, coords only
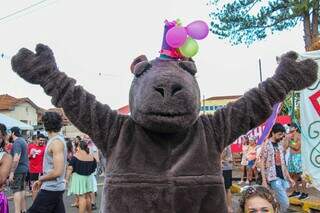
(164, 95)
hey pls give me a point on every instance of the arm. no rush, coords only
(69, 172)
(256, 105)
(5, 166)
(81, 107)
(58, 162)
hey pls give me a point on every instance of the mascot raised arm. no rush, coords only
(164, 157)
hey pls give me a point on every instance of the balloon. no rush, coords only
(198, 30)
(176, 36)
(189, 48)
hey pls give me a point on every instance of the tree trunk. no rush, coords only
(315, 18)
(307, 31)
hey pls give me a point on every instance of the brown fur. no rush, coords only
(164, 157)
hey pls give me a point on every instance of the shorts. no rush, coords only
(48, 202)
(34, 176)
(250, 164)
(18, 183)
(295, 163)
(227, 176)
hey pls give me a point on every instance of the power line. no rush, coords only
(22, 10)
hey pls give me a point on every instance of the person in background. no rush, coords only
(295, 163)
(93, 150)
(226, 162)
(256, 199)
(19, 169)
(70, 150)
(273, 168)
(80, 168)
(36, 153)
(251, 158)
(5, 167)
(51, 186)
(244, 161)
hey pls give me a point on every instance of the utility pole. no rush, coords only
(260, 70)
(203, 104)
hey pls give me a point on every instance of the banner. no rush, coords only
(310, 127)
(261, 131)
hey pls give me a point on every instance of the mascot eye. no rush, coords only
(188, 66)
(141, 67)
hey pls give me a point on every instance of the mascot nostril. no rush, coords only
(160, 90)
(175, 89)
(164, 157)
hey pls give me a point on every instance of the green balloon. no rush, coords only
(189, 48)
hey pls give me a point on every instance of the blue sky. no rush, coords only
(96, 41)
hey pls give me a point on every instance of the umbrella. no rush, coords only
(10, 122)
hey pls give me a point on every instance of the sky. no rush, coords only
(96, 41)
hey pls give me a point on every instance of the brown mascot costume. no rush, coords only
(164, 157)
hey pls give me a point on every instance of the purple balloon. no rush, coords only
(176, 36)
(198, 30)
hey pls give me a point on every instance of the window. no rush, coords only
(24, 121)
(211, 108)
(207, 108)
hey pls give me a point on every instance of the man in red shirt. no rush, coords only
(36, 153)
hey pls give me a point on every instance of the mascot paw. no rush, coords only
(33, 67)
(298, 74)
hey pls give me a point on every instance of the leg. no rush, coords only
(23, 201)
(45, 202)
(278, 186)
(82, 204)
(17, 202)
(88, 201)
(60, 205)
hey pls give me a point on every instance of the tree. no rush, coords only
(246, 21)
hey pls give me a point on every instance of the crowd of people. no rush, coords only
(274, 165)
(50, 165)
(47, 166)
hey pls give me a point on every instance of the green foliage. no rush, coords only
(288, 105)
(246, 21)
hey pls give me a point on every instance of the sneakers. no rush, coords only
(303, 196)
(295, 194)
(93, 206)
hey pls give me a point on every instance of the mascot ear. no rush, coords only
(188, 66)
(139, 65)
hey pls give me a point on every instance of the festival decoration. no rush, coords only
(180, 41)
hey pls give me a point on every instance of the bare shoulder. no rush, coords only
(57, 146)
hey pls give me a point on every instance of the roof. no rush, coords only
(125, 110)
(8, 102)
(223, 97)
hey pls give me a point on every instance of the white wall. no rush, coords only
(23, 112)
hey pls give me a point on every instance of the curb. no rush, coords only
(306, 205)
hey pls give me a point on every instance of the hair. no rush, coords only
(41, 136)
(69, 145)
(78, 137)
(3, 130)
(295, 126)
(277, 128)
(16, 131)
(52, 122)
(258, 191)
(84, 146)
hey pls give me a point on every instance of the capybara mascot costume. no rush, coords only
(164, 157)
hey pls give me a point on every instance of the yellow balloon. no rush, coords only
(189, 48)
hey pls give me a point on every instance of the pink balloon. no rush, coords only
(198, 30)
(176, 36)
